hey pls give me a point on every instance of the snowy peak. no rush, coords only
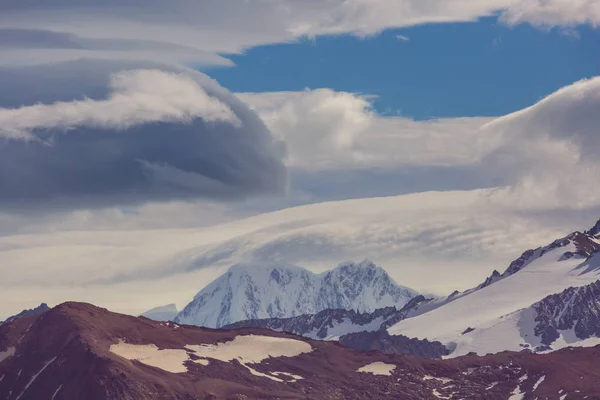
(578, 245)
(595, 231)
(362, 287)
(248, 291)
(162, 313)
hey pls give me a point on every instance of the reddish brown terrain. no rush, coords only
(65, 353)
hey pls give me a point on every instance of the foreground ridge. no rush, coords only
(79, 351)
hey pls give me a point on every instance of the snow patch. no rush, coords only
(56, 392)
(538, 383)
(252, 349)
(171, 360)
(248, 349)
(378, 368)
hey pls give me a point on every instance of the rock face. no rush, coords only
(79, 351)
(360, 331)
(27, 313)
(382, 341)
(540, 303)
(163, 313)
(576, 310)
(258, 291)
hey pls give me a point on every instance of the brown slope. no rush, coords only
(65, 353)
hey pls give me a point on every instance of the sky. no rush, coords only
(144, 150)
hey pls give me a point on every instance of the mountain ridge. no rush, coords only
(247, 291)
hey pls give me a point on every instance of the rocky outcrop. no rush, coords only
(28, 313)
(575, 309)
(384, 342)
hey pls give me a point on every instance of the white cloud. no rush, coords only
(550, 150)
(402, 38)
(187, 31)
(103, 134)
(136, 97)
(328, 130)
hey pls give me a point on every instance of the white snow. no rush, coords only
(345, 327)
(439, 395)
(378, 368)
(248, 349)
(265, 290)
(9, 352)
(56, 392)
(294, 377)
(499, 313)
(162, 313)
(538, 383)
(441, 380)
(171, 360)
(34, 377)
(252, 349)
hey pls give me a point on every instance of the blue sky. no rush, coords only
(482, 68)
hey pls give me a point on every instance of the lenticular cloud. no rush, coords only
(120, 135)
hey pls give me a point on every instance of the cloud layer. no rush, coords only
(186, 31)
(129, 136)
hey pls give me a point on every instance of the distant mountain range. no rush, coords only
(26, 313)
(162, 313)
(77, 351)
(548, 298)
(251, 291)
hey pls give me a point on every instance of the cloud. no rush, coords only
(549, 150)
(328, 130)
(545, 155)
(119, 135)
(186, 31)
(402, 38)
(136, 97)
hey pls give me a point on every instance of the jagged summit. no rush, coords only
(595, 229)
(248, 291)
(27, 313)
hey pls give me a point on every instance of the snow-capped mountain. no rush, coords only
(359, 331)
(331, 324)
(529, 306)
(162, 313)
(250, 291)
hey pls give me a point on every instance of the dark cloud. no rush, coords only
(90, 162)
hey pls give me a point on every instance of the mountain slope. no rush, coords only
(258, 291)
(27, 313)
(162, 313)
(496, 315)
(78, 351)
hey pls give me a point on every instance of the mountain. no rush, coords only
(162, 313)
(248, 291)
(330, 324)
(79, 351)
(26, 313)
(533, 305)
(359, 331)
